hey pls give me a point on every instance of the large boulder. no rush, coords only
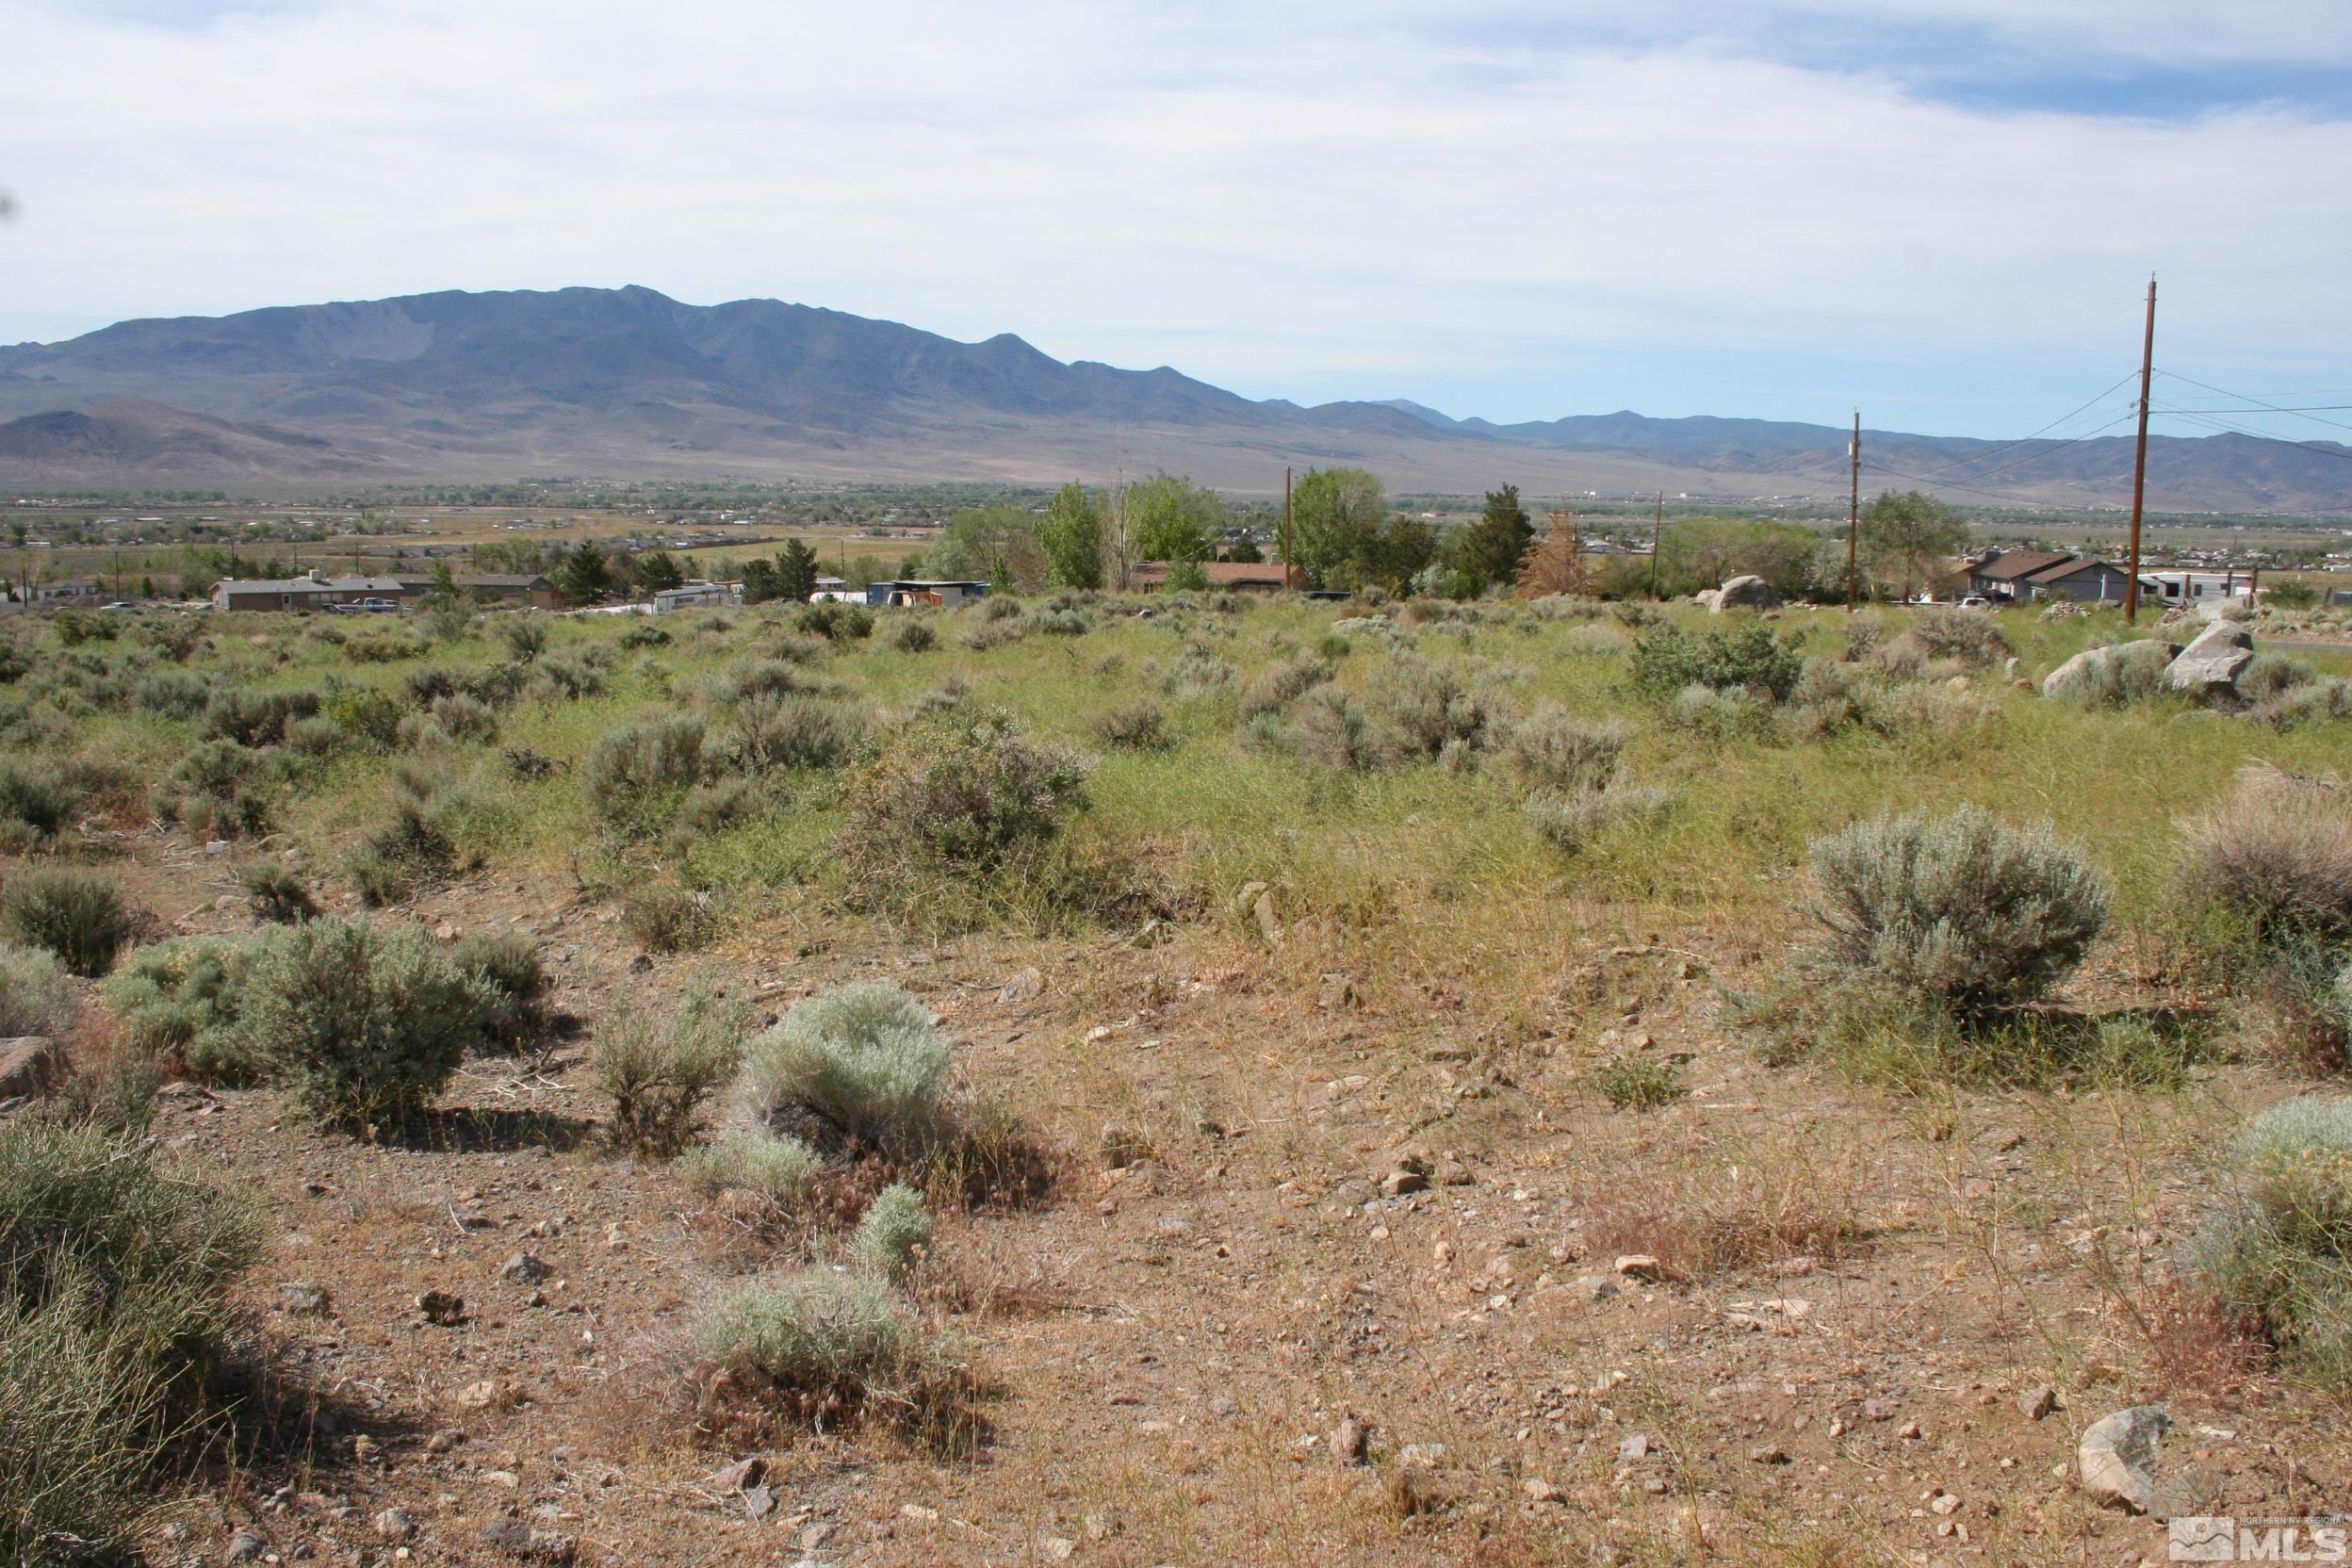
(29, 1065)
(2120, 1463)
(1745, 593)
(2120, 672)
(2208, 667)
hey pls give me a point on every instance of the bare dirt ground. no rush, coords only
(1340, 1214)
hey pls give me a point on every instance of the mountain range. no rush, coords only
(628, 383)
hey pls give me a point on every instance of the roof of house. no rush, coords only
(312, 583)
(2010, 565)
(2072, 565)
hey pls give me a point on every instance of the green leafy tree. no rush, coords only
(1705, 552)
(585, 576)
(1071, 537)
(989, 544)
(1336, 518)
(1395, 554)
(1173, 519)
(795, 571)
(1245, 550)
(447, 612)
(1910, 536)
(1489, 550)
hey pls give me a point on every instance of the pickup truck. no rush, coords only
(369, 606)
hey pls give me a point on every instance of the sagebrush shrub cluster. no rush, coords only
(658, 1071)
(959, 787)
(73, 913)
(818, 1343)
(1959, 909)
(862, 1065)
(1750, 658)
(2280, 1257)
(35, 998)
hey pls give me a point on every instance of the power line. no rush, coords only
(2020, 441)
(2211, 422)
(2274, 408)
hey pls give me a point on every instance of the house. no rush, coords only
(696, 596)
(1998, 574)
(313, 590)
(2019, 577)
(1239, 576)
(907, 591)
(2183, 587)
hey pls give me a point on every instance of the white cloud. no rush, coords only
(1383, 200)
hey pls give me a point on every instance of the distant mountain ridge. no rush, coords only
(628, 383)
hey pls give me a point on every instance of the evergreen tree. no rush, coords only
(1489, 550)
(795, 571)
(656, 570)
(585, 576)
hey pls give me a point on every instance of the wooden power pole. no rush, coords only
(1286, 561)
(2139, 459)
(1853, 504)
(1658, 544)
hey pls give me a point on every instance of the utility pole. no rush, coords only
(1853, 504)
(1658, 544)
(2139, 459)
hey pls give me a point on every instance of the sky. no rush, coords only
(1942, 212)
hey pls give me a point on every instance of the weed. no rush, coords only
(34, 996)
(659, 1073)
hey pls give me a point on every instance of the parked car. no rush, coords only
(1975, 601)
(118, 604)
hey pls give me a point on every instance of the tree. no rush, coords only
(759, 580)
(1489, 550)
(1245, 550)
(1071, 537)
(1705, 552)
(1174, 519)
(656, 570)
(1335, 525)
(585, 575)
(448, 613)
(989, 544)
(1912, 536)
(795, 571)
(1557, 562)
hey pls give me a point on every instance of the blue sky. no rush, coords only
(1943, 211)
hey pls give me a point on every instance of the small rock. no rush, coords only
(524, 1269)
(1399, 1183)
(1421, 1456)
(742, 1476)
(1056, 1549)
(759, 1501)
(1594, 1287)
(442, 1308)
(1766, 1453)
(1945, 1503)
(1634, 1449)
(303, 1298)
(2038, 1401)
(1541, 1491)
(1122, 1146)
(395, 1524)
(481, 1395)
(444, 1440)
(245, 1546)
(528, 1540)
(2116, 1458)
(1349, 1439)
(1639, 1266)
(815, 1535)
(1908, 1430)
(1028, 984)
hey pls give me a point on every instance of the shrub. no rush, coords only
(2275, 854)
(566, 679)
(665, 916)
(2131, 672)
(114, 1274)
(1566, 752)
(275, 893)
(1727, 714)
(1426, 705)
(364, 713)
(894, 1233)
(34, 996)
(821, 1346)
(1568, 820)
(775, 730)
(320, 736)
(254, 718)
(2281, 1256)
(366, 1025)
(76, 914)
(1745, 658)
(1639, 1083)
(1280, 684)
(634, 776)
(217, 788)
(418, 841)
(861, 1065)
(179, 999)
(914, 635)
(2305, 1004)
(526, 637)
(643, 634)
(172, 693)
(959, 787)
(834, 621)
(1138, 726)
(769, 1168)
(1962, 910)
(659, 1073)
(1970, 636)
(35, 804)
(1332, 728)
(507, 965)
